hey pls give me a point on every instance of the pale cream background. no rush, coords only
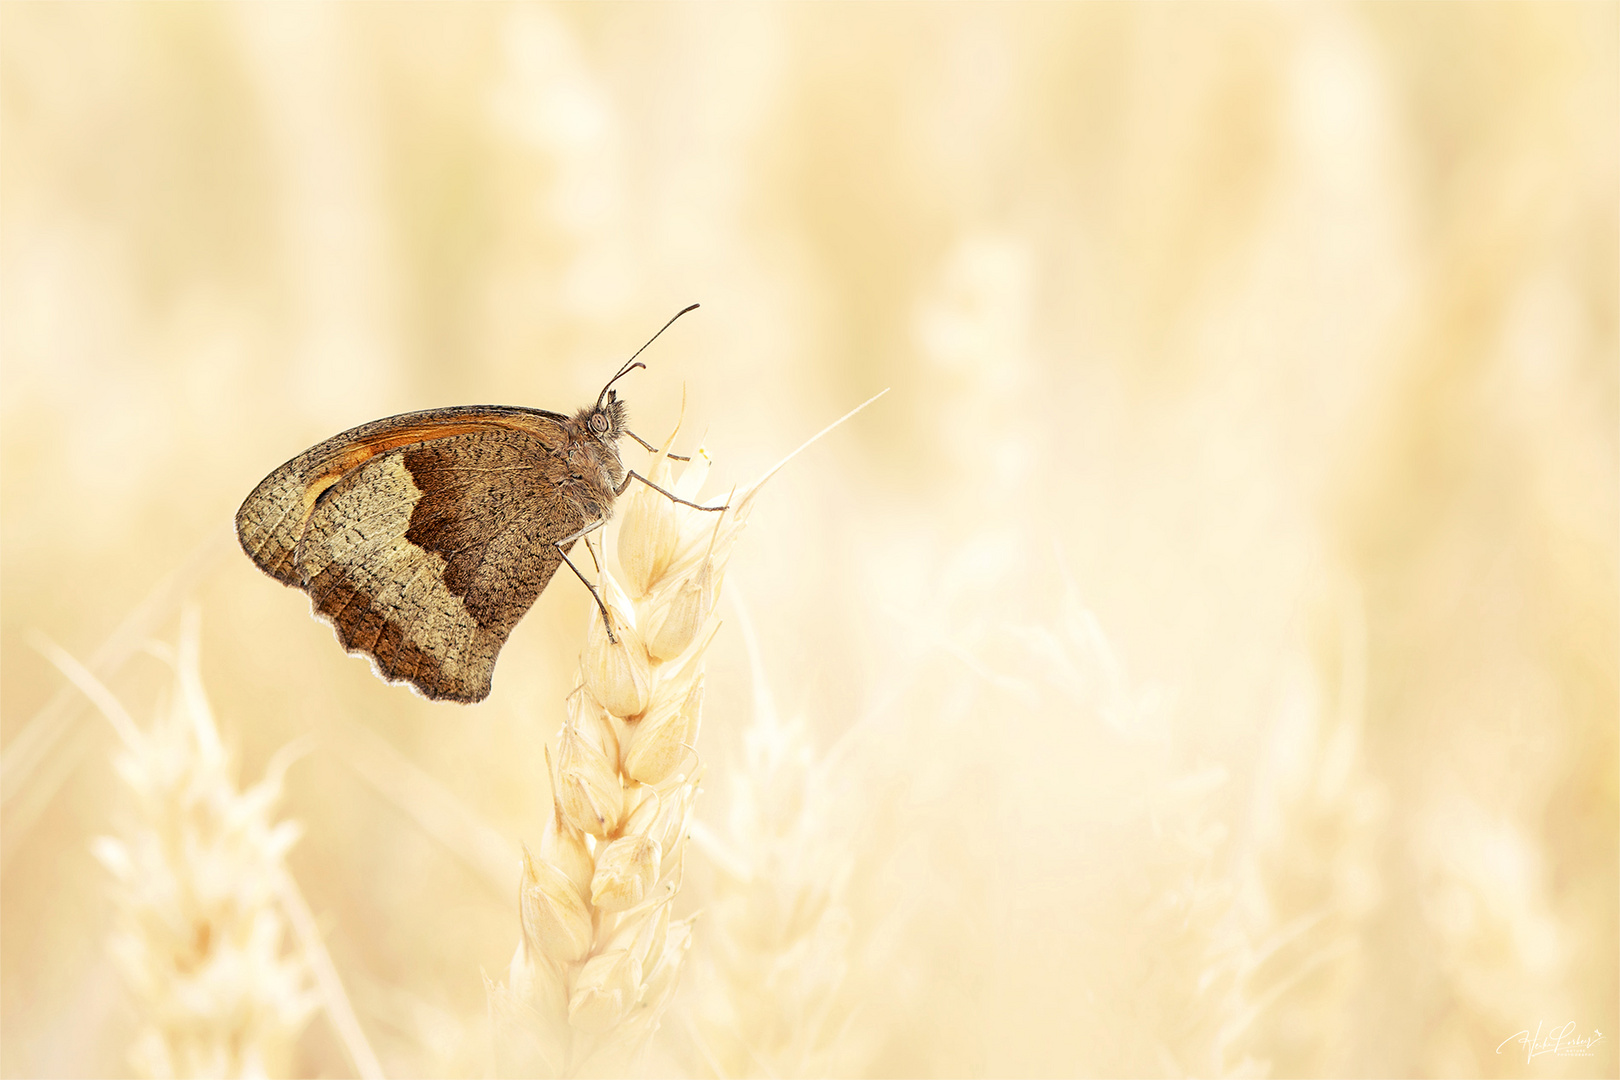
(1281, 339)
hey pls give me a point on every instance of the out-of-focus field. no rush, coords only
(1203, 660)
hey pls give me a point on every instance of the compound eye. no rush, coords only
(599, 423)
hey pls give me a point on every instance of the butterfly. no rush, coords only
(424, 538)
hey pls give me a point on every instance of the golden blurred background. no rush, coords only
(1202, 661)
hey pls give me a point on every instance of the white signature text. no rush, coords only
(1560, 1042)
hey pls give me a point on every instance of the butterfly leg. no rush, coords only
(633, 475)
(561, 546)
(645, 445)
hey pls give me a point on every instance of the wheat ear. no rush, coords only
(198, 875)
(599, 954)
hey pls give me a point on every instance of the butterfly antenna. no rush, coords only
(630, 364)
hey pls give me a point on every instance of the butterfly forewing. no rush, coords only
(272, 519)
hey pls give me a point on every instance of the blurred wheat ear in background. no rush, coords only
(206, 907)
(773, 994)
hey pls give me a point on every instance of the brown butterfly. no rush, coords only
(423, 538)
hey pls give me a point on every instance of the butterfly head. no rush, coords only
(607, 418)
